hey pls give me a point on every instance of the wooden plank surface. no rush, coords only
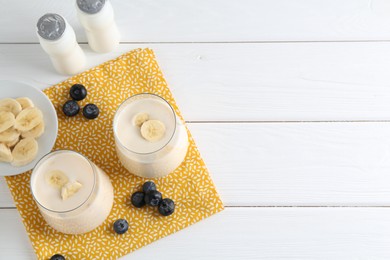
(293, 164)
(6, 200)
(264, 82)
(281, 60)
(215, 20)
(256, 233)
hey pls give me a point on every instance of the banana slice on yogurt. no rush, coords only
(153, 130)
(140, 118)
(69, 189)
(56, 178)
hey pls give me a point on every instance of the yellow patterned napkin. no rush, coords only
(190, 186)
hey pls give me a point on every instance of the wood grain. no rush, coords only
(252, 233)
(263, 61)
(215, 20)
(255, 82)
(6, 200)
(294, 164)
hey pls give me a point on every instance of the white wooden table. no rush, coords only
(288, 100)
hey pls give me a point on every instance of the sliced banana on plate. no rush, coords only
(5, 153)
(19, 118)
(69, 189)
(28, 119)
(12, 143)
(9, 135)
(24, 152)
(7, 120)
(25, 102)
(140, 118)
(10, 105)
(35, 132)
(153, 130)
(56, 178)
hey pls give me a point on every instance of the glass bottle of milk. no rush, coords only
(58, 39)
(97, 18)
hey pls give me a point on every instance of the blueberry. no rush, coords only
(149, 186)
(57, 257)
(121, 226)
(166, 207)
(138, 199)
(153, 198)
(91, 111)
(78, 92)
(71, 108)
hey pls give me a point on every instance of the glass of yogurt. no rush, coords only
(73, 195)
(151, 140)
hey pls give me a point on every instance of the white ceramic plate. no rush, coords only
(13, 89)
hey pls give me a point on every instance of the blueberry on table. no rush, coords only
(57, 257)
(71, 108)
(91, 111)
(138, 199)
(78, 92)
(153, 198)
(166, 207)
(149, 186)
(121, 226)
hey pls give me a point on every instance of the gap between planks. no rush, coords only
(283, 122)
(229, 42)
(12, 208)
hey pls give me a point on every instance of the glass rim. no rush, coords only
(53, 153)
(116, 118)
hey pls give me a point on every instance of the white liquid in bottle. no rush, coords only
(58, 39)
(97, 18)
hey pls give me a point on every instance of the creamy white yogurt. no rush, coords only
(87, 208)
(140, 156)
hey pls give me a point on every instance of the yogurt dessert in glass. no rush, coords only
(151, 140)
(72, 193)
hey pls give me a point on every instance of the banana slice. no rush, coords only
(25, 102)
(10, 105)
(24, 152)
(56, 178)
(35, 132)
(140, 118)
(7, 120)
(153, 130)
(28, 119)
(69, 189)
(5, 153)
(12, 143)
(9, 135)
